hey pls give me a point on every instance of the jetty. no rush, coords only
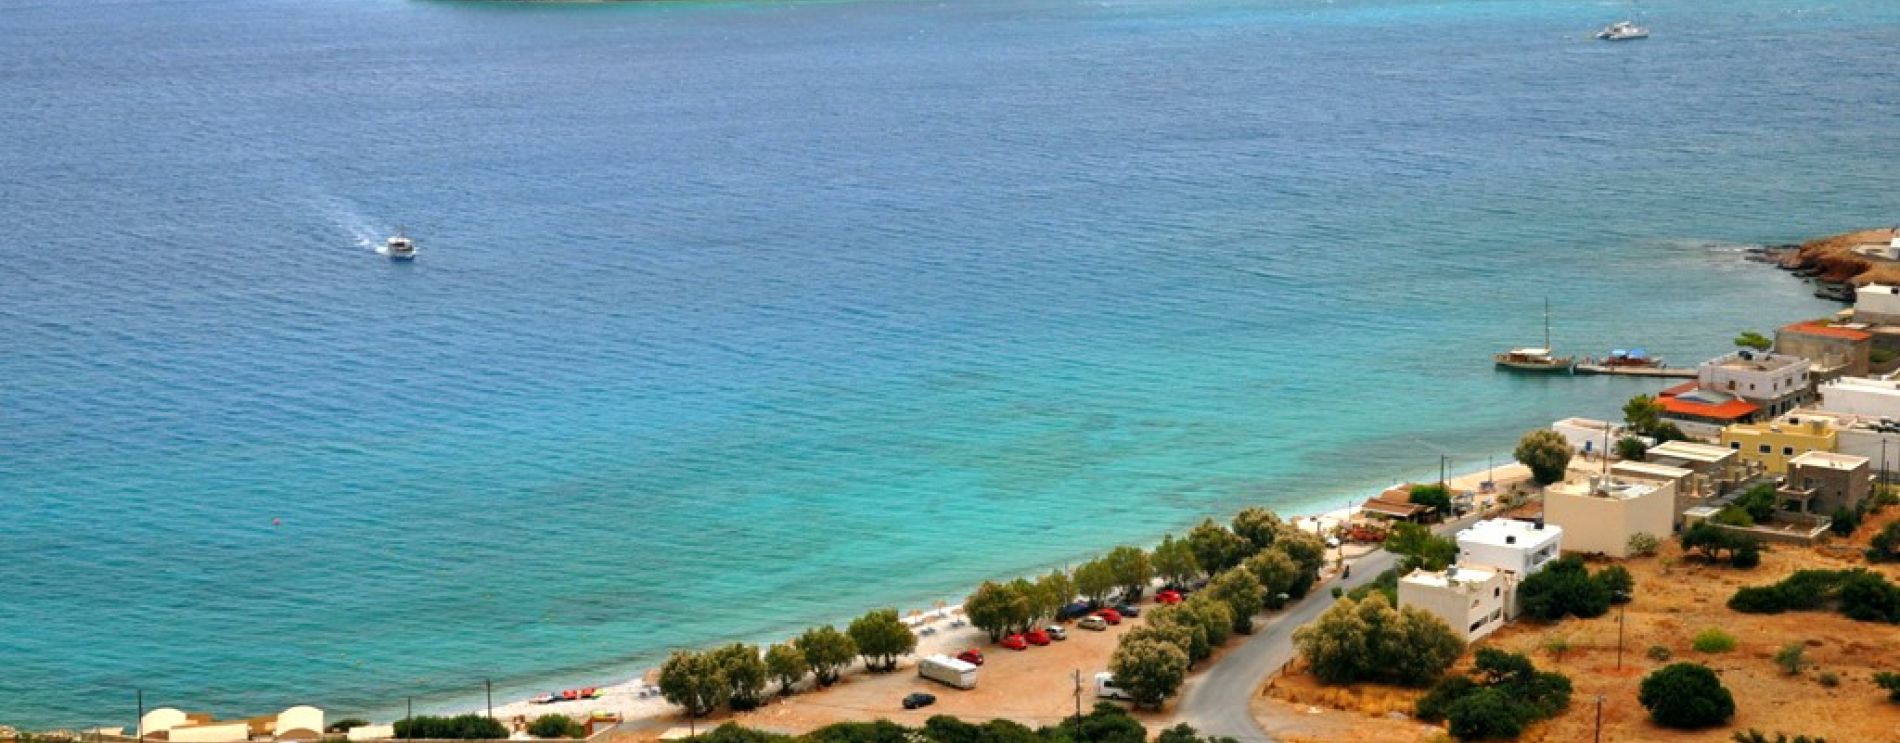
(1637, 371)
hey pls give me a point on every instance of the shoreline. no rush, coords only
(638, 702)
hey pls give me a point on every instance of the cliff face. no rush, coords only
(1837, 262)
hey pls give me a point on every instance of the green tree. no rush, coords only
(1215, 548)
(744, 672)
(1434, 496)
(1036, 604)
(1643, 414)
(1258, 526)
(1422, 549)
(1754, 340)
(1276, 573)
(1618, 581)
(1211, 615)
(1759, 502)
(556, 726)
(881, 637)
(1563, 588)
(1484, 714)
(1885, 546)
(1307, 551)
(786, 665)
(1151, 671)
(1709, 539)
(1057, 588)
(693, 681)
(1370, 641)
(1631, 448)
(1844, 521)
(1095, 579)
(1131, 569)
(1547, 455)
(1891, 682)
(996, 608)
(827, 651)
(1174, 561)
(1173, 625)
(1686, 696)
(1241, 592)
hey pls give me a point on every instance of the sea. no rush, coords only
(731, 318)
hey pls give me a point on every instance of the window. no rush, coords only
(1787, 451)
(1765, 449)
(1731, 385)
(1735, 445)
(1496, 614)
(1496, 592)
(1476, 625)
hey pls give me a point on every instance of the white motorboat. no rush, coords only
(1623, 31)
(399, 247)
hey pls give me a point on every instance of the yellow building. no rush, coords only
(1770, 445)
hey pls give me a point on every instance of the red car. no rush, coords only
(1015, 642)
(1110, 616)
(1036, 637)
(1168, 597)
(972, 656)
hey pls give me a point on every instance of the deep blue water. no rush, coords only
(732, 318)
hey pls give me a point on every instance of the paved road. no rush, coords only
(1216, 703)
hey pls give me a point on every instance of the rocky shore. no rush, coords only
(1834, 259)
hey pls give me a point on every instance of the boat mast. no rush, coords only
(1547, 323)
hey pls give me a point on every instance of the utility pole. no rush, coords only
(1078, 705)
(409, 709)
(1441, 469)
(141, 716)
(488, 686)
(1619, 637)
(1599, 733)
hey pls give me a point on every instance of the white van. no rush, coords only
(947, 670)
(1105, 688)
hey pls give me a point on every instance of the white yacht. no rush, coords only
(1623, 31)
(399, 247)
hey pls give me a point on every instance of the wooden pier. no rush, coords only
(1637, 371)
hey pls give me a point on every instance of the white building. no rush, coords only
(1877, 303)
(1473, 601)
(1776, 382)
(1588, 434)
(1598, 516)
(1518, 547)
(1875, 398)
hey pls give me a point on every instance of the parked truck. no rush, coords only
(947, 670)
(1105, 688)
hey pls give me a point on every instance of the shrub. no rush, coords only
(1885, 546)
(460, 727)
(1759, 502)
(1845, 521)
(1868, 597)
(1658, 653)
(1630, 447)
(1502, 695)
(1561, 589)
(1686, 696)
(1643, 544)
(1747, 554)
(1370, 641)
(1756, 736)
(556, 726)
(1546, 453)
(1829, 679)
(1482, 714)
(1758, 600)
(1891, 682)
(1387, 583)
(1338, 591)
(1713, 640)
(1792, 658)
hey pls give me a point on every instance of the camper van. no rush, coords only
(1105, 687)
(947, 670)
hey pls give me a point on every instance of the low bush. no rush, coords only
(556, 726)
(1643, 544)
(461, 727)
(1686, 696)
(1891, 682)
(1502, 694)
(1565, 588)
(1885, 546)
(1713, 640)
(1829, 679)
(1659, 653)
(1860, 594)
(1756, 736)
(1792, 658)
(1844, 521)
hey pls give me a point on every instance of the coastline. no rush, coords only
(636, 700)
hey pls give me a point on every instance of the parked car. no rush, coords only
(1169, 596)
(1076, 610)
(1128, 610)
(1015, 642)
(1093, 623)
(919, 699)
(1110, 615)
(1105, 687)
(1036, 637)
(972, 656)
(1056, 632)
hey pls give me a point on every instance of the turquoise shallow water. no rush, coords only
(732, 318)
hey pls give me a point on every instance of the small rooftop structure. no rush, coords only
(1690, 451)
(1649, 470)
(1507, 544)
(1829, 460)
(1761, 361)
(1691, 402)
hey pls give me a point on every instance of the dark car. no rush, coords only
(919, 699)
(1076, 610)
(1128, 610)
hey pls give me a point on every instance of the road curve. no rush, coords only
(1216, 702)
